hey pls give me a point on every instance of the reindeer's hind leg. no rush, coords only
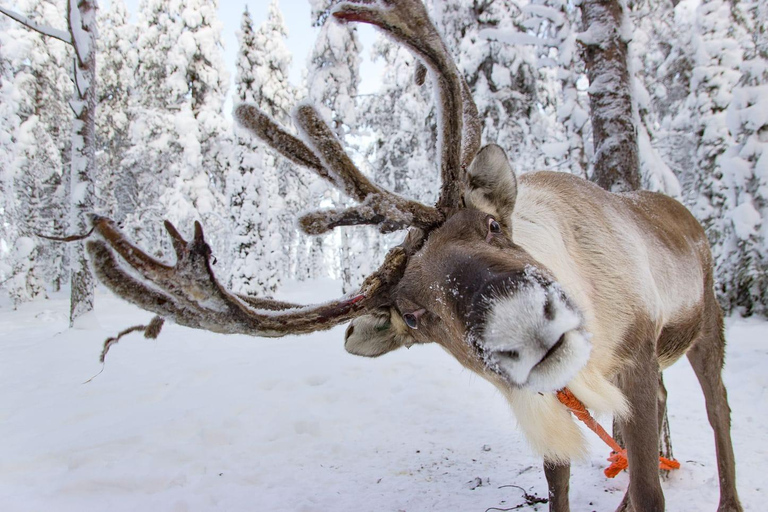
(558, 477)
(707, 356)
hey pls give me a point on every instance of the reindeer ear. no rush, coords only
(373, 335)
(491, 184)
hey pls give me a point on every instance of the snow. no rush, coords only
(745, 220)
(197, 421)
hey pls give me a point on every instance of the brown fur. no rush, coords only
(637, 265)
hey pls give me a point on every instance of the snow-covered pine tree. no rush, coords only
(178, 132)
(198, 81)
(263, 66)
(252, 186)
(9, 122)
(18, 273)
(116, 185)
(657, 94)
(153, 149)
(399, 121)
(332, 81)
(81, 36)
(41, 89)
(208, 81)
(728, 192)
(504, 78)
(555, 25)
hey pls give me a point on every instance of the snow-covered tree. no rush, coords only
(81, 22)
(332, 82)
(116, 186)
(153, 150)
(552, 25)
(656, 59)
(41, 88)
(252, 188)
(504, 78)
(728, 195)
(9, 122)
(81, 35)
(400, 125)
(178, 133)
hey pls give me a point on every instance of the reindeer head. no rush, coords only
(458, 279)
(472, 290)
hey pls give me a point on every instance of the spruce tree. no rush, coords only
(116, 186)
(333, 79)
(281, 184)
(179, 142)
(37, 174)
(252, 186)
(727, 194)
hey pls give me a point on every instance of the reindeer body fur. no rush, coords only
(561, 221)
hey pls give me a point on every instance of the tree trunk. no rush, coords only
(616, 165)
(82, 27)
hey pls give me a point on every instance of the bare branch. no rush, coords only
(45, 30)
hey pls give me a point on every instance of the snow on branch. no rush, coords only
(61, 35)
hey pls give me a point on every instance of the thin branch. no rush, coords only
(70, 238)
(45, 30)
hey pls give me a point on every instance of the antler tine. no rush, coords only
(407, 22)
(260, 124)
(328, 159)
(472, 127)
(378, 206)
(190, 294)
(332, 155)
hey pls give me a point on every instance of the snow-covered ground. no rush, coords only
(195, 421)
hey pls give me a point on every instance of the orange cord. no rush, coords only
(618, 458)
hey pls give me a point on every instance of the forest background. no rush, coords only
(166, 148)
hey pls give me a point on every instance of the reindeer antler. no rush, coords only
(189, 293)
(407, 22)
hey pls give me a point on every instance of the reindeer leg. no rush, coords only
(558, 476)
(640, 383)
(707, 356)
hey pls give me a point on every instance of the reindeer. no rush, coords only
(534, 282)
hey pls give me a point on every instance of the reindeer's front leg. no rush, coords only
(558, 476)
(639, 382)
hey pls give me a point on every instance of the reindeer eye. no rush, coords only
(493, 226)
(411, 320)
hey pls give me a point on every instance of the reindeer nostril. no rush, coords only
(549, 309)
(350, 330)
(512, 354)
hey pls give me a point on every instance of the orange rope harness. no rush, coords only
(618, 458)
